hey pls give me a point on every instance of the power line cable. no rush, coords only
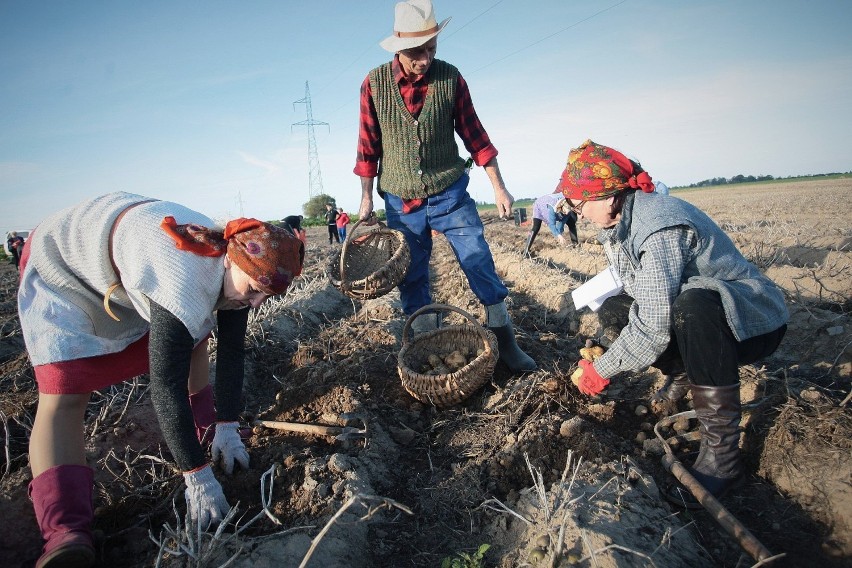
(448, 36)
(343, 69)
(575, 24)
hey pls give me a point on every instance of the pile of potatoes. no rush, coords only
(591, 352)
(444, 365)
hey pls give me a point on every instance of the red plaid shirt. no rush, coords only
(467, 124)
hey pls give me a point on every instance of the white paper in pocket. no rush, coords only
(595, 291)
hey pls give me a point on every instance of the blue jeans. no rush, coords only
(342, 232)
(556, 225)
(453, 213)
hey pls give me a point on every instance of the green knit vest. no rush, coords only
(419, 156)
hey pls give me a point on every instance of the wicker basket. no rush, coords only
(443, 390)
(372, 263)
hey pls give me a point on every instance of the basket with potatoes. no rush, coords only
(445, 366)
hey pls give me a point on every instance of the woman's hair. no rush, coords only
(621, 196)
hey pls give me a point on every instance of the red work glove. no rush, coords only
(590, 382)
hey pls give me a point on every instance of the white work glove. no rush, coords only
(229, 447)
(205, 501)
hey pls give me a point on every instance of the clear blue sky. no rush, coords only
(193, 101)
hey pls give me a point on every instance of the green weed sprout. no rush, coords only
(465, 560)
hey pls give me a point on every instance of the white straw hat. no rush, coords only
(414, 24)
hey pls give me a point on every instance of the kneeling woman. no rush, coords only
(123, 285)
(692, 302)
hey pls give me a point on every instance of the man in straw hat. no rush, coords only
(410, 109)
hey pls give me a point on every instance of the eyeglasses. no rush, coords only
(578, 209)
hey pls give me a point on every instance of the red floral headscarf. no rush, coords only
(596, 172)
(270, 255)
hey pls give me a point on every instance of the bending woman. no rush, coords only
(123, 285)
(552, 210)
(692, 305)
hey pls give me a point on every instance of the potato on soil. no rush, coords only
(536, 555)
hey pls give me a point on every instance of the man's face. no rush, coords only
(416, 61)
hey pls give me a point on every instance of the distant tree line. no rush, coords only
(751, 179)
(314, 210)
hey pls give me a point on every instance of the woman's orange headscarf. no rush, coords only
(270, 255)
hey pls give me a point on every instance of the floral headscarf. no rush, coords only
(270, 255)
(596, 172)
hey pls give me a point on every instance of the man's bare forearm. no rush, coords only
(502, 198)
(366, 207)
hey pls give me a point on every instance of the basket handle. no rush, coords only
(348, 238)
(444, 307)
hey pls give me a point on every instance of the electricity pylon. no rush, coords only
(314, 173)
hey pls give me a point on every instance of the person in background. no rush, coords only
(411, 109)
(661, 188)
(331, 216)
(293, 223)
(551, 209)
(122, 285)
(15, 244)
(342, 221)
(691, 302)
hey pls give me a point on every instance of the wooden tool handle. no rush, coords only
(297, 427)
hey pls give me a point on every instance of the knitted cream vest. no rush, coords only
(419, 156)
(61, 295)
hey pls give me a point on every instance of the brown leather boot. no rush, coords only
(62, 499)
(718, 467)
(675, 388)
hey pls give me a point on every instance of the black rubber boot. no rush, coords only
(498, 321)
(718, 467)
(426, 322)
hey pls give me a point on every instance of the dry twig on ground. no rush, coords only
(373, 505)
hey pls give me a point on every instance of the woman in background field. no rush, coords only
(342, 221)
(15, 244)
(550, 209)
(692, 305)
(123, 285)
